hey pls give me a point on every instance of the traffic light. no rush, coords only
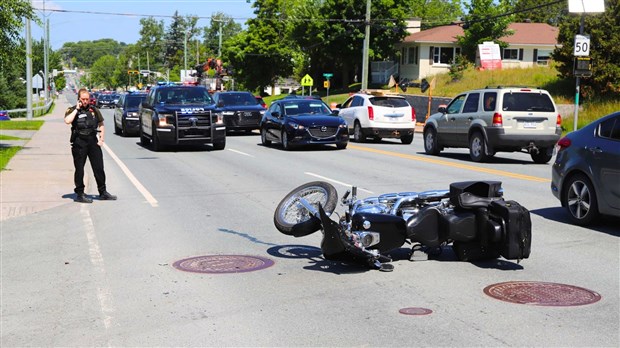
(133, 72)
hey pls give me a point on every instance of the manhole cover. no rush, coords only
(415, 311)
(222, 264)
(542, 294)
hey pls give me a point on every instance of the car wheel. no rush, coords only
(285, 143)
(579, 198)
(358, 136)
(541, 157)
(263, 137)
(124, 129)
(144, 141)
(431, 147)
(219, 145)
(341, 146)
(477, 148)
(157, 146)
(406, 139)
(117, 130)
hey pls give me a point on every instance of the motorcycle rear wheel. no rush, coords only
(291, 218)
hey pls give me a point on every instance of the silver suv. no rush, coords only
(491, 120)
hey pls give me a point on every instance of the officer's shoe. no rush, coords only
(107, 196)
(83, 199)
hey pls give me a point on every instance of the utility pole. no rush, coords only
(28, 72)
(366, 48)
(185, 55)
(46, 57)
(219, 49)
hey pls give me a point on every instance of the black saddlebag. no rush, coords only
(516, 240)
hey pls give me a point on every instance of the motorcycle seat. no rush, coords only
(468, 200)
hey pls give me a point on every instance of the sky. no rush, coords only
(88, 20)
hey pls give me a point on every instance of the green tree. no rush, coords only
(604, 31)
(102, 72)
(550, 12)
(333, 38)
(83, 54)
(212, 32)
(12, 14)
(484, 21)
(263, 53)
(175, 41)
(152, 42)
(435, 12)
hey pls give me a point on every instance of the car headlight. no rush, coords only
(228, 113)
(132, 114)
(163, 120)
(342, 126)
(262, 112)
(296, 125)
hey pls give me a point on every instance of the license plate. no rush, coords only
(530, 125)
(247, 114)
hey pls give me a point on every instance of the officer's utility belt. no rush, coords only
(84, 133)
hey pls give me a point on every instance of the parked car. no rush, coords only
(585, 176)
(174, 115)
(126, 120)
(379, 115)
(261, 101)
(4, 115)
(496, 119)
(296, 121)
(241, 110)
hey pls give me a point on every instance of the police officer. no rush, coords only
(85, 119)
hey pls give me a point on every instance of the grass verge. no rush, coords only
(22, 125)
(6, 153)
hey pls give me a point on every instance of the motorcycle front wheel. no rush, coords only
(293, 219)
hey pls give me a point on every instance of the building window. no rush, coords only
(510, 54)
(403, 55)
(543, 57)
(443, 55)
(412, 56)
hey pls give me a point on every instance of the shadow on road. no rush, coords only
(605, 224)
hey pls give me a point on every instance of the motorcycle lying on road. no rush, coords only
(472, 216)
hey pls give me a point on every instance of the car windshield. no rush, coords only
(305, 108)
(539, 102)
(184, 96)
(389, 102)
(134, 101)
(237, 99)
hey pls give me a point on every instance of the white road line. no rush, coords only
(104, 294)
(336, 181)
(241, 153)
(147, 195)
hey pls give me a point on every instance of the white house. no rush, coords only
(430, 52)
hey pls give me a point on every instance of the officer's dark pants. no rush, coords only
(87, 147)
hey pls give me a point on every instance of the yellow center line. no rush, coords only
(430, 159)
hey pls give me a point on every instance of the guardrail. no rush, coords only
(45, 107)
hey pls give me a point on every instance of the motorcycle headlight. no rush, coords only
(368, 239)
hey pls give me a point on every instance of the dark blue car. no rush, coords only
(241, 110)
(300, 121)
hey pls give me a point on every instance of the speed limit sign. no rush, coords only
(582, 46)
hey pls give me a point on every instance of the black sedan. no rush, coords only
(297, 121)
(586, 174)
(241, 110)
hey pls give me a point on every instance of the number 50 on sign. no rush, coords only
(582, 46)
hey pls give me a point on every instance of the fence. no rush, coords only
(44, 108)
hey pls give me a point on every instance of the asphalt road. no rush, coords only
(103, 275)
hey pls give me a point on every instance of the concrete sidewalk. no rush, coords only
(40, 175)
